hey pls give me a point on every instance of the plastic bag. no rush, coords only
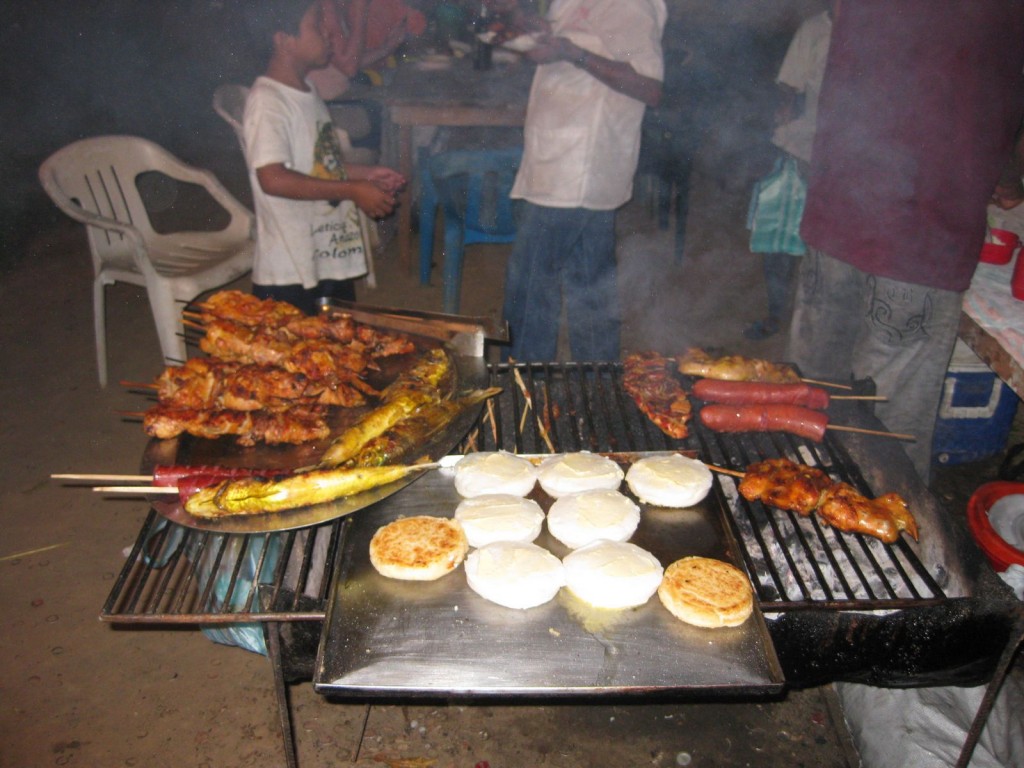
(220, 566)
(776, 209)
(217, 559)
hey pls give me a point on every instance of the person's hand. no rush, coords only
(372, 200)
(551, 49)
(387, 179)
(1007, 196)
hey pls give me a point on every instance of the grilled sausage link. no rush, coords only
(754, 392)
(796, 420)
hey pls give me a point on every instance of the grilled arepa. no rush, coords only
(420, 548)
(706, 592)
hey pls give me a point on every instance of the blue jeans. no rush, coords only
(563, 254)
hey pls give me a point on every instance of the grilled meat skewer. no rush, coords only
(787, 485)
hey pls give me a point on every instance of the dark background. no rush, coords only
(73, 69)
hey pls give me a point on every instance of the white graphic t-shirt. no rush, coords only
(299, 241)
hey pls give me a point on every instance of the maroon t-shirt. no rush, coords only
(918, 109)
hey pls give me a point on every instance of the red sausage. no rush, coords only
(201, 475)
(765, 418)
(755, 392)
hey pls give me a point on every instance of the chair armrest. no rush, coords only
(87, 217)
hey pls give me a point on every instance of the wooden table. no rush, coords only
(453, 96)
(992, 324)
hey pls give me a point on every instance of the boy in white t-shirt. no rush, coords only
(309, 245)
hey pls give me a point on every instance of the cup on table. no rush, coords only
(999, 247)
(1017, 281)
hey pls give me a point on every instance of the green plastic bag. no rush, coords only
(776, 208)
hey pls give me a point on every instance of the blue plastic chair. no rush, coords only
(472, 188)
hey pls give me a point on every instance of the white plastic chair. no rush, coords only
(229, 103)
(95, 181)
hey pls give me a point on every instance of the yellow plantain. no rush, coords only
(249, 496)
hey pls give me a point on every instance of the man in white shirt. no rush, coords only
(600, 66)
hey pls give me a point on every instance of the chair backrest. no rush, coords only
(229, 103)
(97, 181)
(474, 186)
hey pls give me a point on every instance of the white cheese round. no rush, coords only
(499, 517)
(494, 472)
(669, 481)
(612, 574)
(579, 519)
(576, 472)
(514, 575)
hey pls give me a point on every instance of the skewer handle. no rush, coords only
(724, 471)
(897, 435)
(105, 478)
(827, 384)
(136, 489)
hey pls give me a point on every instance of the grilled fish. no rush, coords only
(252, 496)
(410, 434)
(430, 380)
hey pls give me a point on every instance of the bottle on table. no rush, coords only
(481, 50)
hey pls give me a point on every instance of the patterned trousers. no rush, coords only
(848, 324)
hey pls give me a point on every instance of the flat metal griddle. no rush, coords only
(386, 637)
(471, 374)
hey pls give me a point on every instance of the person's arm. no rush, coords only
(1009, 192)
(349, 45)
(617, 75)
(280, 181)
(394, 39)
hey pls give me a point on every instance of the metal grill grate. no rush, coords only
(177, 575)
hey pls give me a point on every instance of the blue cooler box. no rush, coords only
(975, 413)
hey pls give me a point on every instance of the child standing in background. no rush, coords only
(309, 245)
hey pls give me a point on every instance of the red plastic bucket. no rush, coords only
(999, 553)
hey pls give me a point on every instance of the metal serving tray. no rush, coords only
(471, 373)
(388, 637)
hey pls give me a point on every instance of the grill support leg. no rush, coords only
(272, 633)
(989, 699)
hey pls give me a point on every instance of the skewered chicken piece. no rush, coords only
(784, 484)
(843, 507)
(318, 360)
(286, 323)
(204, 383)
(246, 309)
(657, 393)
(787, 485)
(294, 426)
(697, 362)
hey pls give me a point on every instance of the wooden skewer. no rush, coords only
(724, 471)
(826, 384)
(861, 430)
(104, 478)
(139, 385)
(877, 398)
(136, 489)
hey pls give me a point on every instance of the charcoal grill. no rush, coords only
(838, 606)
